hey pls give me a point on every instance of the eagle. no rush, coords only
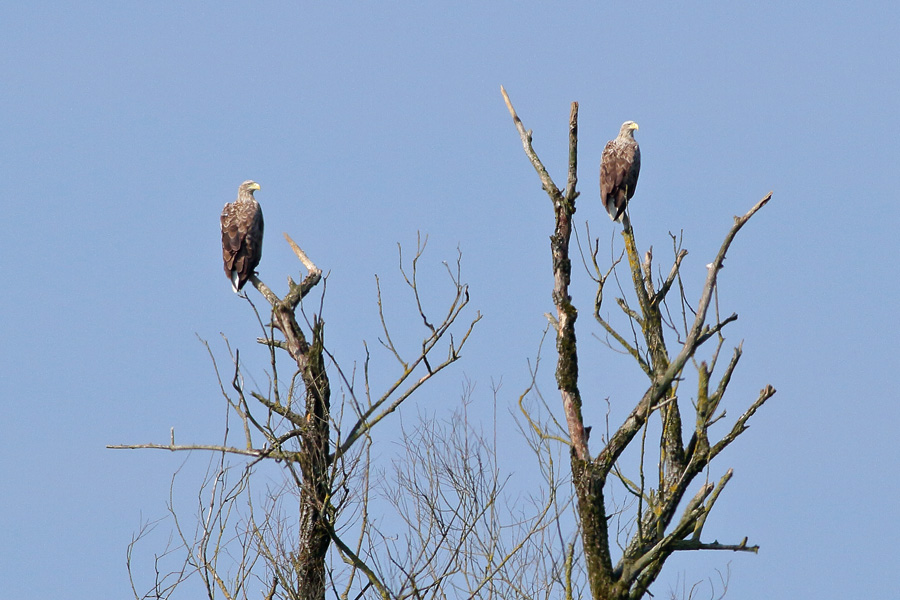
(620, 165)
(242, 235)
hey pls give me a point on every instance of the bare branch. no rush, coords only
(709, 332)
(546, 181)
(741, 425)
(691, 343)
(697, 545)
(255, 453)
(701, 521)
(358, 563)
(392, 398)
(664, 289)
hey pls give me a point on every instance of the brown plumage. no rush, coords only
(242, 235)
(619, 169)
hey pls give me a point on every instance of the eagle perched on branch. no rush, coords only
(620, 165)
(242, 235)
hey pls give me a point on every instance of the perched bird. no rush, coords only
(620, 165)
(242, 235)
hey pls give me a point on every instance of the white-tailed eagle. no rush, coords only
(619, 169)
(242, 235)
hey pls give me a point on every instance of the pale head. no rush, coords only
(245, 192)
(628, 129)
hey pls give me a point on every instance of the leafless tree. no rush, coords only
(453, 531)
(294, 425)
(438, 521)
(685, 449)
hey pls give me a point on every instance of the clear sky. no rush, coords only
(124, 128)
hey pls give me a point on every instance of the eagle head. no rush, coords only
(628, 129)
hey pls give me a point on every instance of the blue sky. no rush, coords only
(125, 128)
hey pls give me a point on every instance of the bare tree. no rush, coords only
(453, 531)
(685, 448)
(293, 425)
